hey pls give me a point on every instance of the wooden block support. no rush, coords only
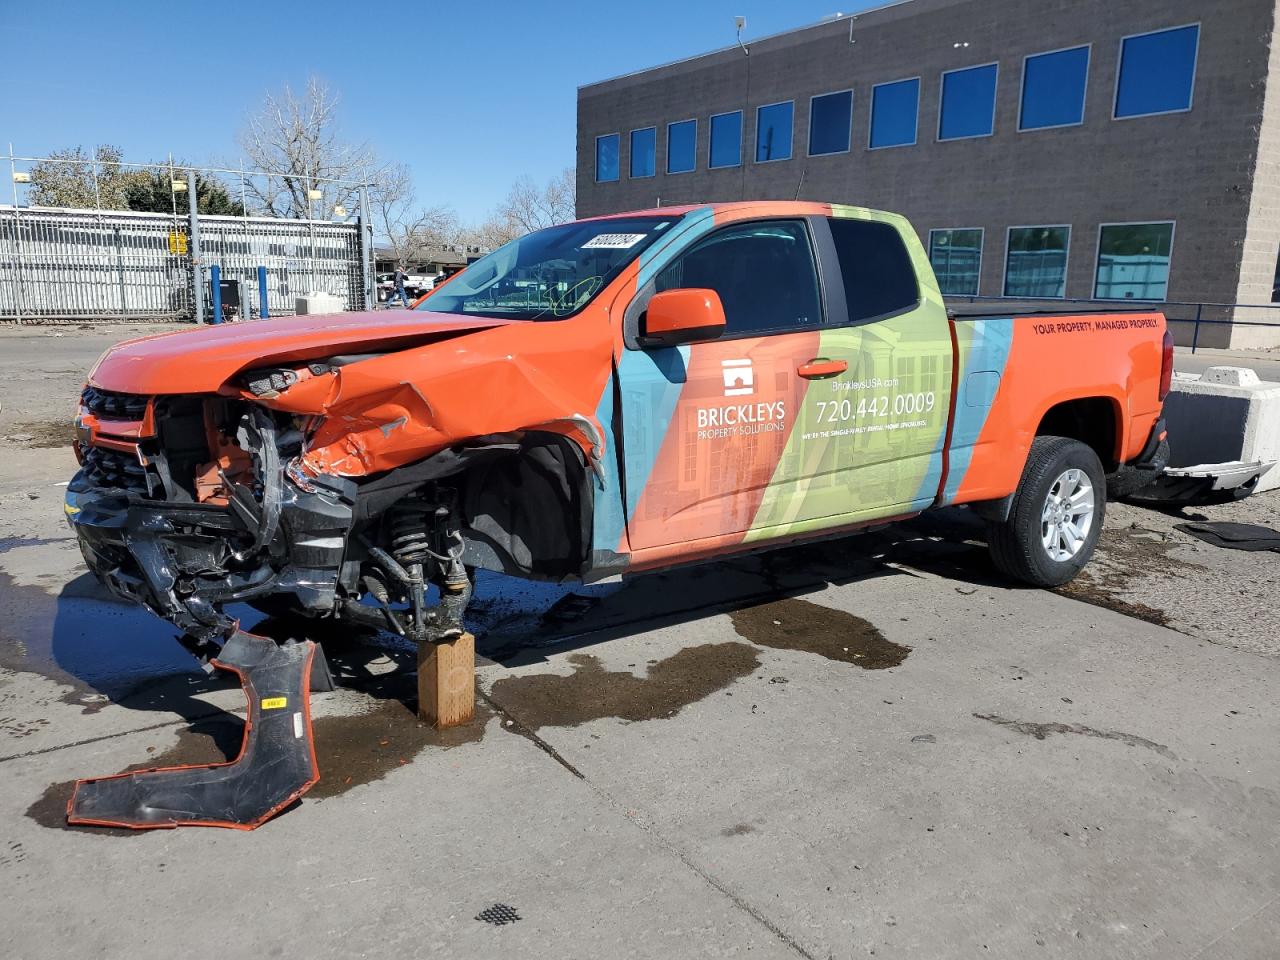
(447, 681)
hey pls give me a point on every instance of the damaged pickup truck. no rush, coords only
(603, 397)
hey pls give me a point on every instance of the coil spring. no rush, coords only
(410, 541)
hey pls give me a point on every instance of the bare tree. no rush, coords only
(401, 223)
(529, 207)
(300, 138)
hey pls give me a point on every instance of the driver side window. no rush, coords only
(764, 273)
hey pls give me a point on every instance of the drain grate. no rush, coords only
(498, 914)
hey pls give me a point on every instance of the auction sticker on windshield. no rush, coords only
(613, 241)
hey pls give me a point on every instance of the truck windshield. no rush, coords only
(549, 274)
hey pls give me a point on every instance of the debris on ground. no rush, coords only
(1234, 536)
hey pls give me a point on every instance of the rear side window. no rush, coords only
(763, 272)
(879, 278)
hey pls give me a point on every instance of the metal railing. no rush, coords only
(91, 262)
(1194, 315)
(63, 264)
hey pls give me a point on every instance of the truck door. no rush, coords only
(706, 427)
(869, 439)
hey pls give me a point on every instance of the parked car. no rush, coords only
(414, 285)
(604, 397)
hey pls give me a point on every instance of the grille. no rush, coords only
(498, 914)
(113, 469)
(114, 406)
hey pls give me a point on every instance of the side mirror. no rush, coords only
(674, 317)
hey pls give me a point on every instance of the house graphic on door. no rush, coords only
(739, 378)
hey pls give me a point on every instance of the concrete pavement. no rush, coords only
(870, 747)
(1266, 363)
(809, 754)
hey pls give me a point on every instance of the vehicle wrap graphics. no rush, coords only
(723, 443)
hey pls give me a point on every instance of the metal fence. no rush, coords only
(301, 256)
(74, 264)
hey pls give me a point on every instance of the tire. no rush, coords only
(1030, 546)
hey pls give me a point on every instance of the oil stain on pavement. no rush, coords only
(592, 693)
(1042, 731)
(1125, 556)
(42, 435)
(795, 624)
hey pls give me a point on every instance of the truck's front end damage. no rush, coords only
(181, 504)
(187, 504)
(302, 477)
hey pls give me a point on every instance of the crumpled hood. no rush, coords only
(203, 359)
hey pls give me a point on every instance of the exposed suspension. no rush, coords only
(425, 547)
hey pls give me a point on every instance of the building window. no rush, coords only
(726, 139)
(1157, 72)
(607, 158)
(1036, 264)
(1133, 261)
(1053, 86)
(682, 141)
(894, 111)
(644, 147)
(830, 123)
(1275, 284)
(956, 256)
(875, 269)
(968, 103)
(773, 131)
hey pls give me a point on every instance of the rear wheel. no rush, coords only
(1056, 517)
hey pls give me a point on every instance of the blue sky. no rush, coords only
(471, 97)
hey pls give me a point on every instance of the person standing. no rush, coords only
(397, 289)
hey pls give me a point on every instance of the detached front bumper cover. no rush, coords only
(276, 765)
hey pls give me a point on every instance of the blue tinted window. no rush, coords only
(773, 132)
(644, 146)
(894, 107)
(1053, 89)
(830, 119)
(1157, 71)
(726, 139)
(1036, 264)
(682, 141)
(956, 256)
(607, 158)
(1133, 261)
(968, 103)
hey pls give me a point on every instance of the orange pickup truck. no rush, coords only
(607, 396)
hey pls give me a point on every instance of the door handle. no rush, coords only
(820, 368)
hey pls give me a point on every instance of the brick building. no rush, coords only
(1076, 149)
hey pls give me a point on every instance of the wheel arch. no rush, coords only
(529, 510)
(1096, 421)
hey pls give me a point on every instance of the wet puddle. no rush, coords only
(103, 650)
(107, 651)
(795, 624)
(592, 693)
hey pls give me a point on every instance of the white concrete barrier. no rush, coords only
(318, 303)
(1222, 415)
